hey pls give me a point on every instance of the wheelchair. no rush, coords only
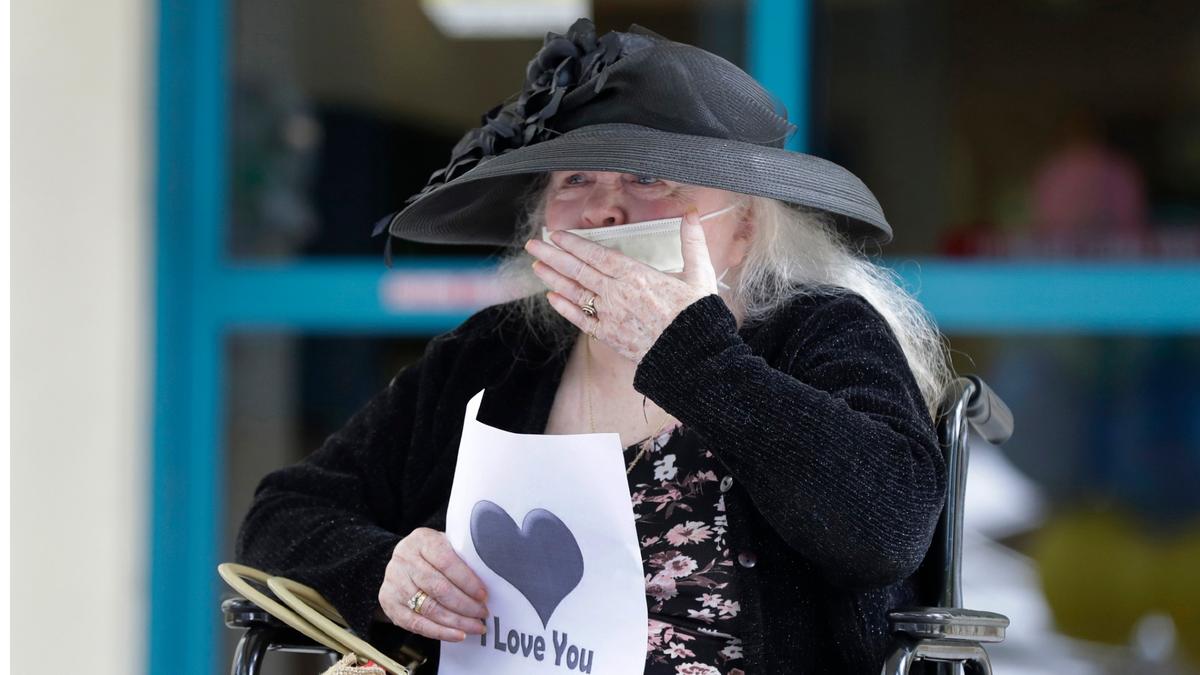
(945, 636)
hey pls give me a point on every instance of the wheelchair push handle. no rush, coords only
(988, 413)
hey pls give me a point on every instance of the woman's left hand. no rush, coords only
(634, 301)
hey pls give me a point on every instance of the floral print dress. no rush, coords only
(691, 585)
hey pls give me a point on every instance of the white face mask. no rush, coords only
(654, 242)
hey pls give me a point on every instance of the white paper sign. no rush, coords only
(547, 523)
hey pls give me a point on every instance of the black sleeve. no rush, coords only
(324, 521)
(835, 448)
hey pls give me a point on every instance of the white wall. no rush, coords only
(82, 80)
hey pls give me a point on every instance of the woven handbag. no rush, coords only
(305, 610)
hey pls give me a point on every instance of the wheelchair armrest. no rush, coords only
(266, 633)
(946, 623)
(242, 613)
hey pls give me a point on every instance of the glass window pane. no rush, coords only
(1033, 129)
(341, 110)
(286, 393)
(1083, 528)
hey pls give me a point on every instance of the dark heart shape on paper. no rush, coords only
(542, 560)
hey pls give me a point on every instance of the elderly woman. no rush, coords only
(771, 387)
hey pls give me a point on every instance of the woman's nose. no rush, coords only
(603, 208)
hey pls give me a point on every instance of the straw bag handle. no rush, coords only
(304, 609)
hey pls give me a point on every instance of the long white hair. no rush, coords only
(793, 251)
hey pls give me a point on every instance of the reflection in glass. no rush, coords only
(1086, 524)
(341, 110)
(286, 394)
(1018, 129)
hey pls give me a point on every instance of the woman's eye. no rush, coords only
(645, 180)
(574, 179)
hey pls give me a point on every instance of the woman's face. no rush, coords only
(584, 199)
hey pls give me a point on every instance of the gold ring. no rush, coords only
(417, 600)
(589, 306)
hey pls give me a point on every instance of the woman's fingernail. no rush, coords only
(691, 212)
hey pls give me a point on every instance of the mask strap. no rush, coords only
(722, 285)
(717, 212)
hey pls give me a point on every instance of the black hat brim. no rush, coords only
(482, 205)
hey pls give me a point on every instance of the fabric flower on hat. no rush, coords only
(563, 65)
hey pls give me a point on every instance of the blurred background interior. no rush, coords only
(1039, 160)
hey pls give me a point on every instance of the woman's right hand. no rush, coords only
(425, 561)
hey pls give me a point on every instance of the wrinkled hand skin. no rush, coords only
(456, 604)
(634, 302)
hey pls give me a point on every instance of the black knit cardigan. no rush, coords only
(837, 479)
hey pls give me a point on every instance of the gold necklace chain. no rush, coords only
(587, 394)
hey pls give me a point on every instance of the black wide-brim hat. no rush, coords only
(634, 103)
